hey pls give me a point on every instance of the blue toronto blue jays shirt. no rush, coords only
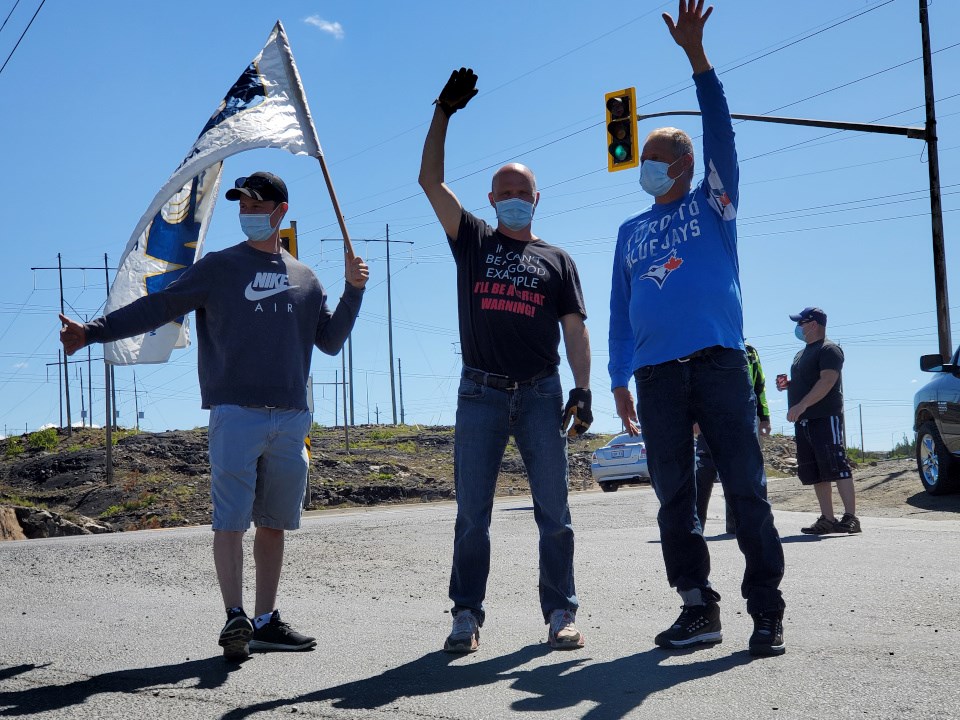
(676, 276)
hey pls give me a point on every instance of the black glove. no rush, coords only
(577, 409)
(458, 91)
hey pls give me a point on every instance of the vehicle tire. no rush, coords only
(939, 470)
(609, 486)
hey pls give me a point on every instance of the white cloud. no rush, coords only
(334, 28)
(913, 381)
(20, 366)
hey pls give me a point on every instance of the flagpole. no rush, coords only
(347, 245)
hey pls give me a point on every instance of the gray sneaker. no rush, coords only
(563, 634)
(465, 636)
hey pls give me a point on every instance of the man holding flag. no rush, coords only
(259, 313)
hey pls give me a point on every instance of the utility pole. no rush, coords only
(861, 431)
(83, 410)
(936, 210)
(350, 358)
(346, 433)
(66, 370)
(136, 402)
(403, 420)
(393, 390)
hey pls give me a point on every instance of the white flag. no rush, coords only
(266, 107)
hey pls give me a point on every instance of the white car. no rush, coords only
(622, 461)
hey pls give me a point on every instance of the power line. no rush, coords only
(21, 34)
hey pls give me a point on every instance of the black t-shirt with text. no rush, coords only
(511, 295)
(804, 373)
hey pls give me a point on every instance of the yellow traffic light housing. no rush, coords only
(622, 150)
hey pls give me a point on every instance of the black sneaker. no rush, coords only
(697, 624)
(767, 638)
(821, 527)
(849, 523)
(277, 636)
(235, 636)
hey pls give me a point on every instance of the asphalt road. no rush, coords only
(125, 626)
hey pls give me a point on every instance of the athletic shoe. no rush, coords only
(767, 638)
(563, 634)
(697, 624)
(235, 636)
(849, 523)
(277, 636)
(821, 527)
(465, 636)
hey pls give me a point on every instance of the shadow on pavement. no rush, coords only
(616, 687)
(939, 503)
(209, 673)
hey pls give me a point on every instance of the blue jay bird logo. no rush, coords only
(658, 271)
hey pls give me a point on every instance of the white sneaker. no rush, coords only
(465, 636)
(563, 633)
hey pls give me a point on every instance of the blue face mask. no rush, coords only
(256, 227)
(514, 213)
(798, 331)
(654, 177)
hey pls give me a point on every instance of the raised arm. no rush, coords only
(458, 91)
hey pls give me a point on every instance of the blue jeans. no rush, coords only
(486, 418)
(714, 391)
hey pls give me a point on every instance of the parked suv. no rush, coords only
(936, 413)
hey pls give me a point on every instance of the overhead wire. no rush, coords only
(21, 36)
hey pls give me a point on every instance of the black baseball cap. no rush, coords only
(259, 186)
(811, 313)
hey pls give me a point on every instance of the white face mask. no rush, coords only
(257, 227)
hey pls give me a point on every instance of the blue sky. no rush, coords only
(102, 101)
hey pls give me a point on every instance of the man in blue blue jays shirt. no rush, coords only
(676, 326)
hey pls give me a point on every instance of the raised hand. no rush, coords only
(687, 32)
(459, 90)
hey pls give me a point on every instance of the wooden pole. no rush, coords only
(347, 245)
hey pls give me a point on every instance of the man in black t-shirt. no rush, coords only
(815, 404)
(515, 293)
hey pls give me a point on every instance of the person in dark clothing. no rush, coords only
(515, 295)
(815, 405)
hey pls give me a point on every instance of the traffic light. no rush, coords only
(622, 150)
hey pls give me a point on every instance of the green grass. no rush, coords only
(140, 503)
(6, 499)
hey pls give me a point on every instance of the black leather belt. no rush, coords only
(502, 382)
(702, 353)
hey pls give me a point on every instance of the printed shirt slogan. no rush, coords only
(511, 283)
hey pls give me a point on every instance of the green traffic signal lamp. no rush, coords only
(621, 129)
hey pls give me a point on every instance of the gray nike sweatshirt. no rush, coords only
(258, 317)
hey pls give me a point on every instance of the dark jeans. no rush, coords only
(714, 391)
(486, 418)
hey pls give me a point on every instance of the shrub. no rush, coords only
(43, 439)
(14, 447)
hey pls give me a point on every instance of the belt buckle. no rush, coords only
(515, 385)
